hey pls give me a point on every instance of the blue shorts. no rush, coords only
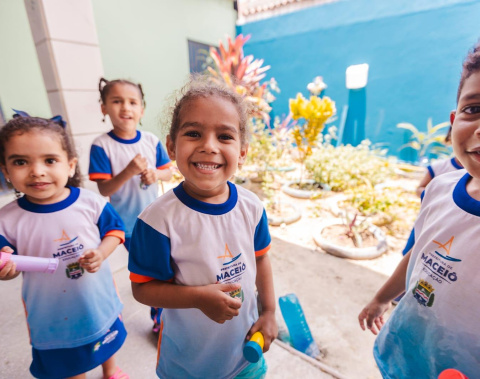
(64, 363)
(256, 370)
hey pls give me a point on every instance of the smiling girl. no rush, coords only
(56, 219)
(200, 250)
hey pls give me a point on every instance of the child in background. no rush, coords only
(126, 163)
(435, 326)
(200, 249)
(439, 167)
(72, 312)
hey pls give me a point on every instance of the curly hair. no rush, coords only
(20, 125)
(471, 64)
(203, 86)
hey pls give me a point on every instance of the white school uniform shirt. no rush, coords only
(192, 243)
(443, 166)
(109, 155)
(435, 326)
(71, 307)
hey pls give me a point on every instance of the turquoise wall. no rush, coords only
(414, 50)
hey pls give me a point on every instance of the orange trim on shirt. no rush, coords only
(99, 176)
(116, 233)
(166, 165)
(136, 278)
(259, 253)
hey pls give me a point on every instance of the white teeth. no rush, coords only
(206, 166)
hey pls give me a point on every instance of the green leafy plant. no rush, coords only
(347, 166)
(382, 207)
(270, 147)
(430, 142)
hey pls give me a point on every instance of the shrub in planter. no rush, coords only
(350, 238)
(311, 115)
(278, 211)
(347, 166)
(429, 143)
(270, 147)
(384, 207)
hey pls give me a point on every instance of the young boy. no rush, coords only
(435, 326)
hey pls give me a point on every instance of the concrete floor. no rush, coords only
(138, 355)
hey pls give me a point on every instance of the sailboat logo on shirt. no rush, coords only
(64, 237)
(228, 255)
(447, 247)
(68, 247)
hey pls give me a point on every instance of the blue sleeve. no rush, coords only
(410, 242)
(262, 237)
(430, 170)
(99, 162)
(4, 242)
(162, 156)
(109, 220)
(150, 253)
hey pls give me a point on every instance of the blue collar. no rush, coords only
(455, 164)
(463, 199)
(50, 208)
(207, 208)
(126, 141)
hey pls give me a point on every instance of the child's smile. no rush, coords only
(38, 166)
(208, 147)
(466, 126)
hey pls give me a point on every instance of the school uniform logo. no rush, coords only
(446, 246)
(439, 265)
(74, 270)
(69, 248)
(232, 271)
(423, 293)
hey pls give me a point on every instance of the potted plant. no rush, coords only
(429, 143)
(311, 116)
(351, 237)
(270, 148)
(343, 167)
(279, 211)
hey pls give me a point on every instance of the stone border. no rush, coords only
(352, 252)
(293, 216)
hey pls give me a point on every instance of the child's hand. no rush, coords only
(373, 315)
(137, 165)
(218, 305)
(267, 325)
(91, 260)
(148, 176)
(9, 270)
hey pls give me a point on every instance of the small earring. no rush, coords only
(8, 180)
(140, 121)
(103, 119)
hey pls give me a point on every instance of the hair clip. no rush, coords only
(59, 120)
(56, 119)
(20, 113)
